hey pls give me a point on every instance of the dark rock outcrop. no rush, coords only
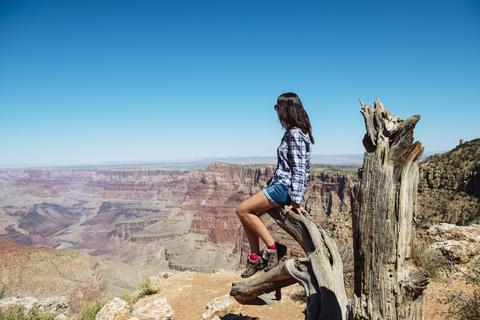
(449, 186)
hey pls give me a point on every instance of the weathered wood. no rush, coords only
(273, 280)
(321, 273)
(388, 284)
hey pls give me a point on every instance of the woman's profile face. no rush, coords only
(277, 109)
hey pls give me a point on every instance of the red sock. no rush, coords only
(254, 257)
(272, 247)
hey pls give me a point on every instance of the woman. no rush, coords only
(286, 187)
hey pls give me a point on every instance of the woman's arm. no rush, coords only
(298, 156)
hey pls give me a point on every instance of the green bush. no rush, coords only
(18, 312)
(2, 292)
(145, 288)
(90, 310)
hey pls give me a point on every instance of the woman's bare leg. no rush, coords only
(252, 224)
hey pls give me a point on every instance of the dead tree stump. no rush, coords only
(388, 283)
(320, 272)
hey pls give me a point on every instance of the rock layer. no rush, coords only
(223, 187)
(184, 220)
(142, 184)
(43, 272)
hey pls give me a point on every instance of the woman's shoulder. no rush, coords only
(296, 132)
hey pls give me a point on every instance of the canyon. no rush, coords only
(137, 221)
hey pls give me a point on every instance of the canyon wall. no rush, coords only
(142, 184)
(183, 220)
(49, 182)
(224, 186)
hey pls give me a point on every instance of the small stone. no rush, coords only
(114, 309)
(156, 310)
(218, 306)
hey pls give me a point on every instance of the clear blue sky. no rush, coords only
(98, 81)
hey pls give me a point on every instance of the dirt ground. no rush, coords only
(188, 293)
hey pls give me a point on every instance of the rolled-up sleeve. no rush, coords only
(299, 160)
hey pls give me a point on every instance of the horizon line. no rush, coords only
(334, 159)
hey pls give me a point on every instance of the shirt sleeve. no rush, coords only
(297, 148)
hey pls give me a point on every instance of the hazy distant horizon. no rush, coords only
(334, 160)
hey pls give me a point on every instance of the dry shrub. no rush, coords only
(462, 305)
(431, 259)
(345, 248)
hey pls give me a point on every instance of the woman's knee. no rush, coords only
(242, 210)
(239, 210)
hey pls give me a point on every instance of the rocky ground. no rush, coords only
(193, 295)
(189, 293)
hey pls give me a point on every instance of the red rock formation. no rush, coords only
(185, 203)
(36, 182)
(224, 186)
(10, 174)
(48, 183)
(142, 184)
(43, 220)
(71, 179)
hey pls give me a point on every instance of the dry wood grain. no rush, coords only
(388, 283)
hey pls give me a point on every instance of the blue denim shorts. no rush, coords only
(278, 194)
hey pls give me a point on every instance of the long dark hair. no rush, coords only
(291, 114)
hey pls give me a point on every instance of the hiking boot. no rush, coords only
(253, 267)
(272, 257)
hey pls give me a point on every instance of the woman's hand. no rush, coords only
(297, 208)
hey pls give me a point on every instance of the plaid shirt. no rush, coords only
(293, 167)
